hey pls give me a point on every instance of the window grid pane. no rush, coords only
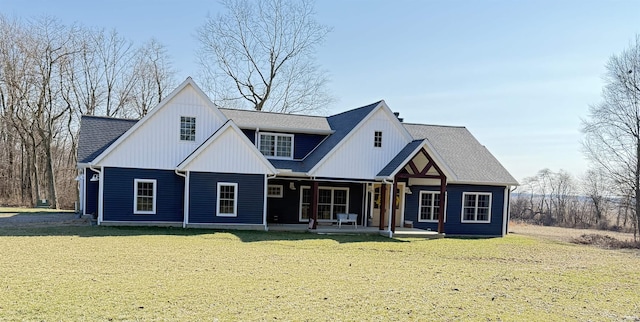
(377, 139)
(227, 199)
(477, 207)
(267, 145)
(144, 196)
(429, 206)
(284, 146)
(187, 128)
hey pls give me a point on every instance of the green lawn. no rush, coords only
(101, 273)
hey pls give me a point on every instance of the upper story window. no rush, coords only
(276, 145)
(377, 139)
(187, 128)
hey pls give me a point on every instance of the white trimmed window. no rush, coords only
(187, 128)
(144, 196)
(227, 200)
(377, 139)
(429, 206)
(274, 191)
(476, 207)
(331, 201)
(276, 145)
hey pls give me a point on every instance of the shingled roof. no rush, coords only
(469, 160)
(249, 119)
(97, 133)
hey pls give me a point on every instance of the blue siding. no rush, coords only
(91, 194)
(453, 224)
(119, 193)
(305, 143)
(286, 210)
(251, 134)
(203, 195)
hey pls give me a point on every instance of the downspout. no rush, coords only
(507, 209)
(100, 192)
(264, 206)
(185, 206)
(391, 196)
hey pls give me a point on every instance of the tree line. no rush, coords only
(256, 54)
(50, 75)
(607, 195)
(559, 199)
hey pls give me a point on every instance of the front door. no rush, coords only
(376, 202)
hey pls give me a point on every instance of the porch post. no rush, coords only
(314, 204)
(443, 196)
(393, 206)
(383, 204)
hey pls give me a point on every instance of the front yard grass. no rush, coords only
(107, 273)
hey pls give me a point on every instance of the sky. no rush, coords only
(520, 75)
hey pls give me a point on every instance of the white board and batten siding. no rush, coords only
(228, 152)
(340, 163)
(156, 143)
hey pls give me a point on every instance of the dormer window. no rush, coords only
(275, 145)
(377, 139)
(187, 128)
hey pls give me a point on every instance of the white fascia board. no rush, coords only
(163, 103)
(229, 125)
(345, 139)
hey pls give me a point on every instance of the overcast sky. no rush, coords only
(519, 75)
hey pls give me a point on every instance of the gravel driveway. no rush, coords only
(41, 219)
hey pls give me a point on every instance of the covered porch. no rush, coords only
(401, 232)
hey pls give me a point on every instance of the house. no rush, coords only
(189, 163)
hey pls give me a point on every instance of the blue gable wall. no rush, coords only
(203, 196)
(302, 143)
(286, 210)
(118, 195)
(91, 194)
(453, 224)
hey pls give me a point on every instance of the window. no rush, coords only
(377, 139)
(227, 199)
(274, 191)
(187, 128)
(331, 201)
(144, 199)
(429, 206)
(276, 145)
(476, 207)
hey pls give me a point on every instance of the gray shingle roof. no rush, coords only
(469, 160)
(97, 133)
(269, 120)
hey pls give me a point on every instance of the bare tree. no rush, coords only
(51, 74)
(153, 77)
(260, 54)
(612, 131)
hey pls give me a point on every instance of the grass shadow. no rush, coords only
(247, 236)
